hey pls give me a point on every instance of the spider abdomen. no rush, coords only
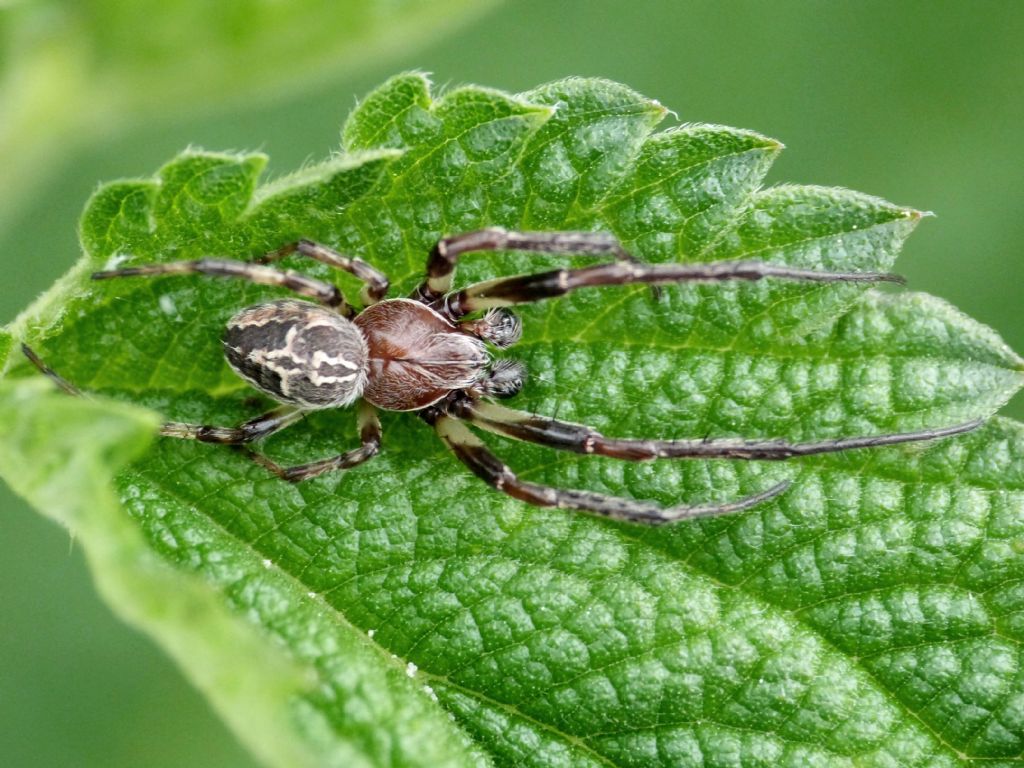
(298, 353)
(416, 356)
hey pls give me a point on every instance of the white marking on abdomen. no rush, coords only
(320, 357)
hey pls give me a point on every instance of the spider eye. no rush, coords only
(298, 353)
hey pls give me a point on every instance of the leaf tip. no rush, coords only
(661, 110)
(916, 215)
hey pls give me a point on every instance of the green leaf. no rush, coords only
(61, 455)
(6, 342)
(869, 616)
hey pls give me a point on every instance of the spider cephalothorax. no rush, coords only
(426, 354)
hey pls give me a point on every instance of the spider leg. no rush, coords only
(523, 289)
(369, 435)
(472, 452)
(51, 374)
(254, 429)
(445, 255)
(579, 438)
(375, 282)
(319, 291)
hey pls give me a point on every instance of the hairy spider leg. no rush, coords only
(51, 374)
(471, 451)
(375, 282)
(369, 436)
(580, 438)
(445, 255)
(247, 432)
(522, 289)
(319, 291)
(252, 430)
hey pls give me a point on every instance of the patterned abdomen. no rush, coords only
(298, 353)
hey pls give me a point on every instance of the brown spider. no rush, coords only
(421, 354)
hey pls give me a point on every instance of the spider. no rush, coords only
(426, 354)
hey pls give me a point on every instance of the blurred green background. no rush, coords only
(919, 102)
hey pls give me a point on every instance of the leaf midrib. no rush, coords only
(813, 353)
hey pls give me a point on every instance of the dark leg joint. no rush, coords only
(369, 433)
(444, 256)
(375, 282)
(301, 472)
(250, 431)
(271, 256)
